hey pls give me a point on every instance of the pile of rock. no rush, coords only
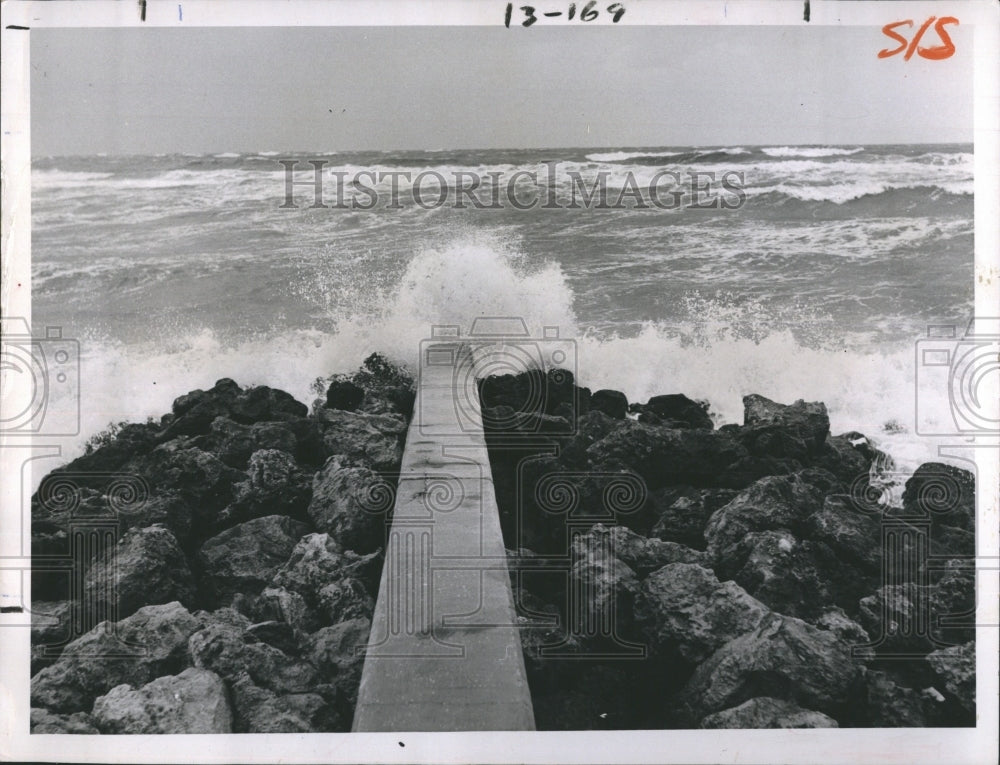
(246, 569)
(671, 574)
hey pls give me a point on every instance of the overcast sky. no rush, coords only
(245, 89)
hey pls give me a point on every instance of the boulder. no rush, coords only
(669, 456)
(273, 485)
(281, 604)
(684, 611)
(128, 441)
(840, 624)
(150, 643)
(852, 532)
(683, 518)
(944, 494)
(192, 702)
(343, 599)
(168, 508)
(849, 456)
(889, 704)
(147, 567)
(610, 402)
(352, 504)
(768, 712)
(781, 572)
(275, 633)
(260, 710)
(609, 588)
(43, 721)
(784, 658)
(774, 502)
(200, 478)
(954, 669)
(233, 442)
(679, 411)
(371, 440)
(344, 394)
(194, 412)
(246, 557)
(807, 421)
(50, 627)
(639, 553)
(337, 652)
(318, 560)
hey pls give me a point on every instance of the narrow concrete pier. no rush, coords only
(444, 653)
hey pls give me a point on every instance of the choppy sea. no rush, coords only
(173, 271)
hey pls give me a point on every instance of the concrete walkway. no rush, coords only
(444, 652)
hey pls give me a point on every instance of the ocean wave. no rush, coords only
(621, 156)
(810, 151)
(870, 192)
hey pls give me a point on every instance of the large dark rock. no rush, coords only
(352, 504)
(850, 457)
(889, 704)
(682, 518)
(244, 558)
(609, 587)
(613, 403)
(272, 485)
(665, 456)
(127, 442)
(194, 701)
(150, 643)
(684, 611)
(344, 394)
(767, 712)
(852, 532)
(944, 494)
(372, 440)
(678, 411)
(783, 658)
(641, 554)
(807, 421)
(289, 606)
(335, 652)
(199, 477)
(954, 670)
(147, 567)
(774, 502)
(260, 710)
(234, 442)
(781, 572)
(194, 412)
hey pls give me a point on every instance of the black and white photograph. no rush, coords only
(576, 381)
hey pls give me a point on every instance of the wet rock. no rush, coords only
(344, 394)
(43, 721)
(680, 411)
(343, 599)
(852, 532)
(147, 567)
(535, 391)
(273, 485)
(192, 702)
(849, 456)
(666, 456)
(840, 624)
(889, 704)
(784, 658)
(226, 649)
(767, 712)
(337, 653)
(641, 554)
(685, 611)
(281, 604)
(128, 442)
(389, 388)
(352, 504)
(105, 657)
(954, 669)
(200, 478)
(244, 558)
(610, 402)
(234, 442)
(944, 494)
(683, 518)
(915, 618)
(609, 590)
(260, 710)
(590, 428)
(372, 440)
(772, 503)
(279, 634)
(781, 572)
(807, 421)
